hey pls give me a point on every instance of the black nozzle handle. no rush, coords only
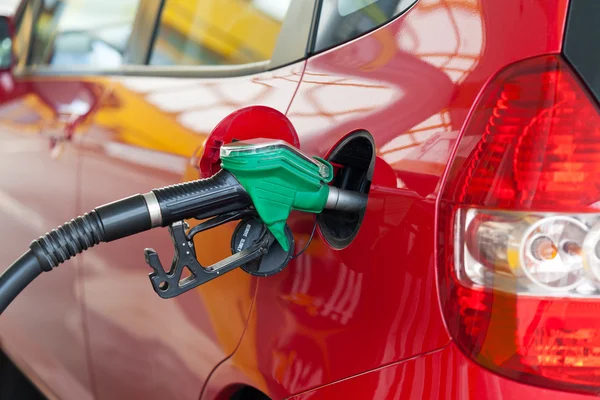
(200, 199)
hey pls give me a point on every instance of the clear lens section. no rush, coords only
(529, 253)
(591, 254)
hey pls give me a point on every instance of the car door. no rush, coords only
(209, 58)
(43, 331)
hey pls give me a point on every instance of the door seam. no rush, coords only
(381, 367)
(237, 346)
(80, 276)
(297, 87)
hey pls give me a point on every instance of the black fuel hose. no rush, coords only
(202, 198)
(20, 274)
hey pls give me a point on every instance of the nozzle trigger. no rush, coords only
(170, 283)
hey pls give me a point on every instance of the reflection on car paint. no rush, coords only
(191, 333)
(418, 89)
(331, 314)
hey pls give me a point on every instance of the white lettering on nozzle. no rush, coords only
(244, 236)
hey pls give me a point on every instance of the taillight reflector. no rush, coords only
(519, 229)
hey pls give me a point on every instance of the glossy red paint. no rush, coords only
(166, 349)
(38, 191)
(442, 374)
(331, 314)
(247, 123)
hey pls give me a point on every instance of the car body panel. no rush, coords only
(331, 315)
(44, 328)
(442, 374)
(334, 314)
(142, 136)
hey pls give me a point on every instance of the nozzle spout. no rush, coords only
(345, 200)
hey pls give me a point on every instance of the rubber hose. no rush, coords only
(68, 240)
(20, 274)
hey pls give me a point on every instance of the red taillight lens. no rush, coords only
(519, 236)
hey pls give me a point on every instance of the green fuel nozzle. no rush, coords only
(279, 179)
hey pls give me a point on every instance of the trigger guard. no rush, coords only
(169, 283)
(274, 261)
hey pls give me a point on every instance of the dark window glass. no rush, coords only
(83, 32)
(218, 32)
(5, 44)
(344, 20)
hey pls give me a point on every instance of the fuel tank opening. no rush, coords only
(355, 158)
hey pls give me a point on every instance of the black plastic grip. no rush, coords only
(202, 198)
(67, 241)
(124, 218)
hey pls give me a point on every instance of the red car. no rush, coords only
(473, 125)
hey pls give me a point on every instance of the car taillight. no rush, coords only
(519, 232)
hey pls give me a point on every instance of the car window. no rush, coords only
(82, 32)
(344, 20)
(5, 44)
(218, 32)
(23, 21)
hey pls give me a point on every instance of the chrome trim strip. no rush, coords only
(153, 209)
(145, 23)
(295, 33)
(290, 47)
(201, 71)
